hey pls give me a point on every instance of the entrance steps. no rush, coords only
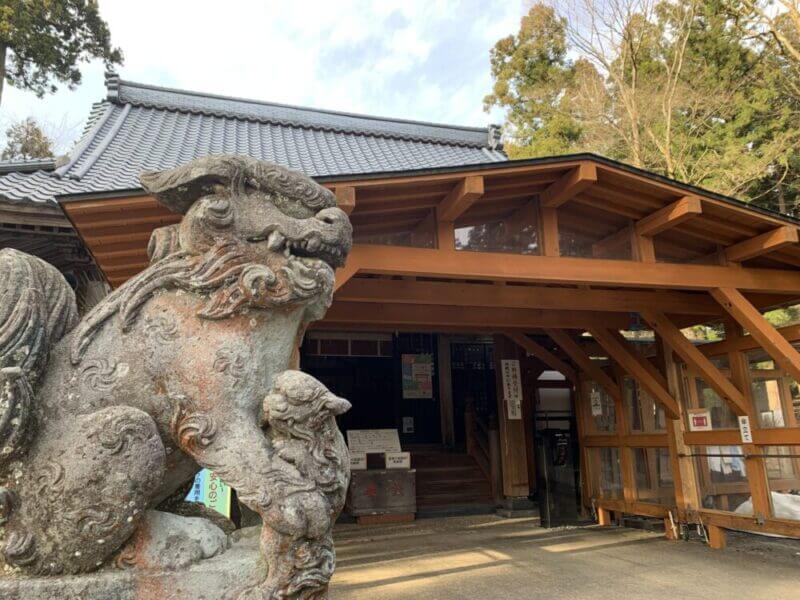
(450, 482)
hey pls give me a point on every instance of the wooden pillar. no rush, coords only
(531, 368)
(716, 537)
(687, 496)
(605, 517)
(626, 466)
(512, 431)
(579, 409)
(756, 467)
(548, 230)
(445, 391)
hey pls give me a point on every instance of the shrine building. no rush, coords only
(521, 324)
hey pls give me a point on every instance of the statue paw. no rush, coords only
(169, 542)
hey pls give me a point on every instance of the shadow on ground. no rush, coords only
(487, 557)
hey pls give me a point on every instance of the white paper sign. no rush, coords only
(512, 388)
(398, 460)
(745, 431)
(373, 440)
(358, 461)
(596, 400)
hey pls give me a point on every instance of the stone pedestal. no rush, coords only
(223, 577)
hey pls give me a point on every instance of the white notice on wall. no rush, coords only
(596, 400)
(398, 460)
(512, 388)
(744, 430)
(373, 440)
(358, 461)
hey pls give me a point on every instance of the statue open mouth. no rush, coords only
(326, 236)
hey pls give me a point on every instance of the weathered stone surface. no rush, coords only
(184, 366)
(222, 577)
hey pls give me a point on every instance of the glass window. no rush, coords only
(775, 394)
(422, 236)
(602, 413)
(653, 471)
(722, 478)
(605, 472)
(701, 399)
(645, 415)
(783, 473)
(518, 234)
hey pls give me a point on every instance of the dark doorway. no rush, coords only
(473, 379)
(365, 381)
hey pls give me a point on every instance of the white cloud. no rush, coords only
(417, 59)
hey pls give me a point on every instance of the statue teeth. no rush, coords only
(313, 244)
(275, 240)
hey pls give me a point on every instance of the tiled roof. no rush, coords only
(140, 127)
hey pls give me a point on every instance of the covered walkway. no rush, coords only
(512, 559)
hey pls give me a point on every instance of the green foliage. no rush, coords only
(43, 41)
(681, 87)
(26, 140)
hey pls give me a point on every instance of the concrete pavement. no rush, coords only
(487, 557)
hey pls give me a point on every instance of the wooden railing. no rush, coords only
(483, 444)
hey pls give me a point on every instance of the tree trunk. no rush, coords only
(3, 49)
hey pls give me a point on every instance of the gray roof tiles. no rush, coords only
(143, 127)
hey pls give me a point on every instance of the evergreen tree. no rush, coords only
(26, 140)
(42, 41)
(672, 86)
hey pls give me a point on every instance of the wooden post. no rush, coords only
(716, 537)
(495, 460)
(445, 391)
(687, 495)
(756, 467)
(605, 517)
(469, 428)
(512, 431)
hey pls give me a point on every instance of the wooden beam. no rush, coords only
(388, 315)
(543, 354)
(570, 185)
(696, 360)
(345, 198)
(666, 218)
(765, 243)
(423, 262)
(749, 317)
(670, 216)
(637, 367)
(790, 333)
(518, 296)
(584, 361)
(345, 273)
(461, 198)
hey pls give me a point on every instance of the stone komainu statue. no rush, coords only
(182, 367)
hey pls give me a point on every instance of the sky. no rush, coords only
(412, 59)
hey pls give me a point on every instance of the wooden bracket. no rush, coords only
(345, 198)
(696, 360)
(637, 367)
(570, 185)
(749, 317)
(584, 362)
(543, 354)
(461, 198)
(765, 243)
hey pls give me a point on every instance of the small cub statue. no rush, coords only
(104, 419)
